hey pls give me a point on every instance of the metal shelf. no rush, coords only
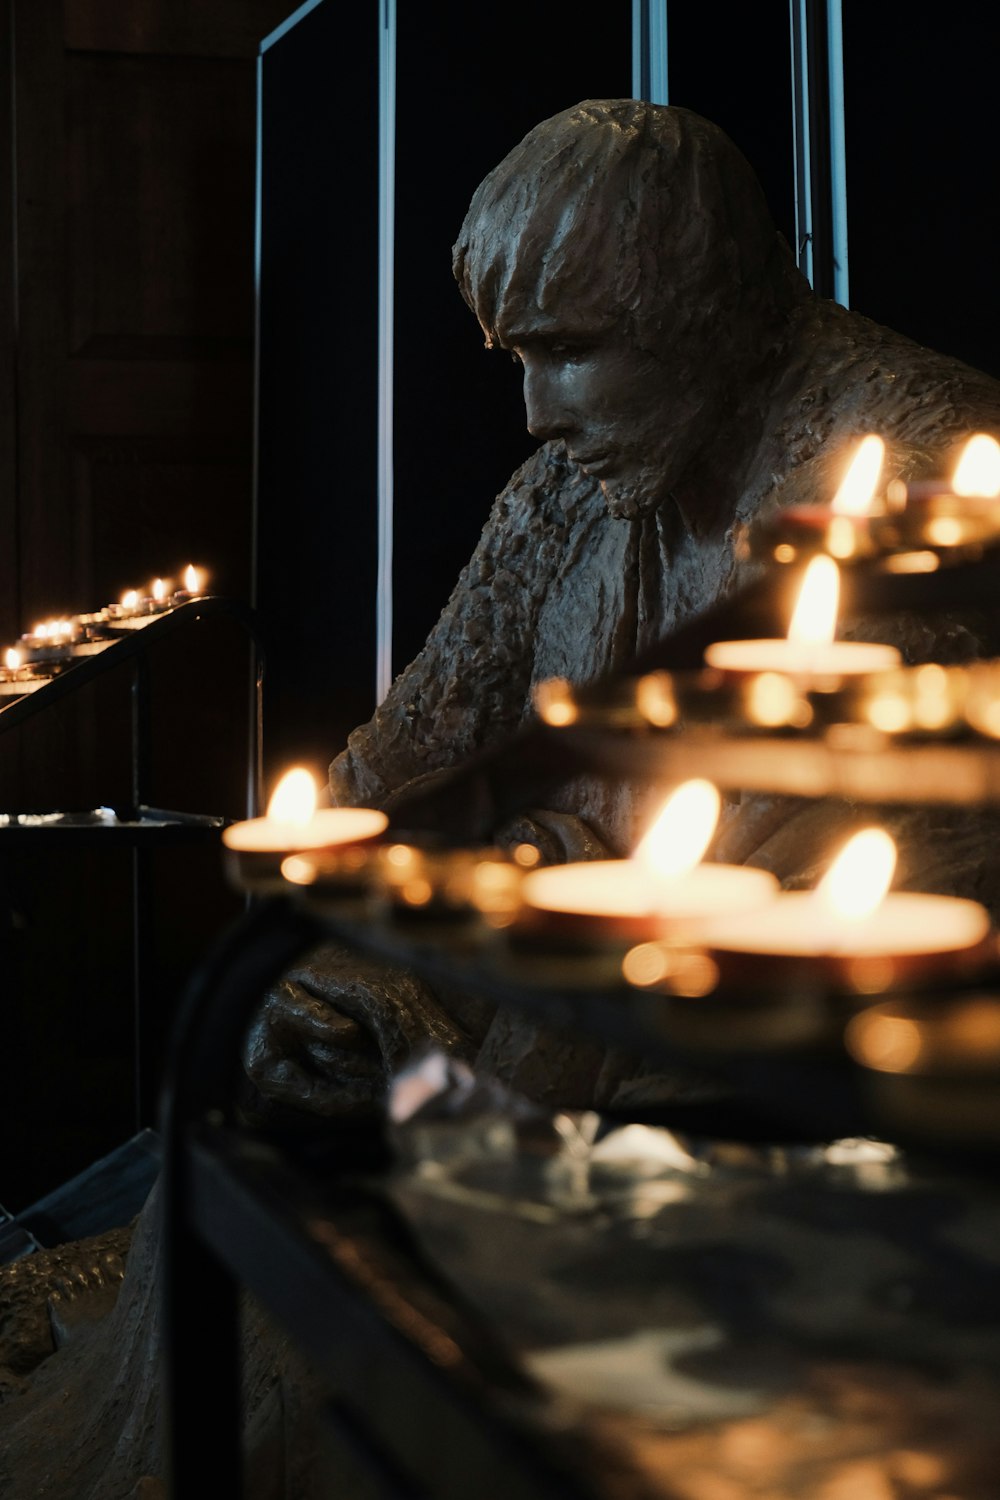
(138, 827)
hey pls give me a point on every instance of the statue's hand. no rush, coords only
(331, 1033)
(304, 1054)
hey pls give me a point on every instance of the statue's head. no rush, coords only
(625, 255)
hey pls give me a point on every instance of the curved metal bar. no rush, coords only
(200, 1298)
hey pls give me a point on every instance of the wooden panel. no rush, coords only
(46, 565)
(9, 583)
(153, 506)
(135, 397)
(224, 28)
(161, 161)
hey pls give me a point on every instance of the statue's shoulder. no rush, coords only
(918, 395)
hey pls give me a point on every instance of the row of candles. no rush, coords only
(907, 526)
(51, 642)
(741, 964)
(665, 892)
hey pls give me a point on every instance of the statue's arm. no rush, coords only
(332, 1031)
(469, 687)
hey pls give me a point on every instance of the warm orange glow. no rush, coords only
(554, 703)
(159, 589)
(294, 798)
(978, 469)
(857, 488)
(855, 884)
(681, 832)
(130, 599)
(195, 579)
(12, 658)
(892, 1044)
(814, 620)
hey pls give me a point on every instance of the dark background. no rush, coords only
(126, 389)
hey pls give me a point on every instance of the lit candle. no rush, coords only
(293, 824)
(842, 527)
(809, 652)
(18, 678)
(849, 931)
(136, 610)
(948, 514)
(662, 890)
(194, 582)
(51, 640)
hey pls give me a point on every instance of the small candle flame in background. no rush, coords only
(194, 579)
(130, 599)
(858, 486)
(681, 832)
(855, 885)
(12, 659)
(159, 589)
(293, 800)
(814, 619)
(978, 469)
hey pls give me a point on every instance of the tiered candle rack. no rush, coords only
(288, 1217)
(136, 825)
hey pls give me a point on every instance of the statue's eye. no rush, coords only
(568, 353)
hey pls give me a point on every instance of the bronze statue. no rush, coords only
(682, 378)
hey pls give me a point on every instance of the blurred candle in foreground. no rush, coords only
(293, 824)
(662, 889)
(809, 651)
(978, 469)
(849, 917)
(857, 488)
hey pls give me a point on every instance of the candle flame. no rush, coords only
(12, 659)
(294, 798)
(130, 599)
(978, 469)
(855, 884)
(159, 589)
(681, 832)
(814, 619)
(195, 579)
(857, 488)
(43, 631)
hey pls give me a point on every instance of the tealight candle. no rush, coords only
(946, 515)
(809, 652)
(16, 678)
(194, 582)
(842, 527)
(52, 640)
(132, 611)
(292, 825)
(662, 890)
(849, 932)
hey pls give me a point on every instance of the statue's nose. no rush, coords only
(548, 413)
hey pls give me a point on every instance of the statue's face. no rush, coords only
(608, 400)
